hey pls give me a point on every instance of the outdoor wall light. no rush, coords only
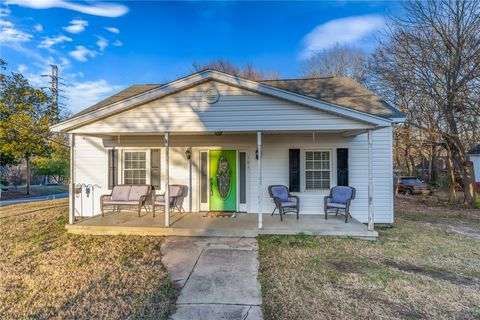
(188, 154)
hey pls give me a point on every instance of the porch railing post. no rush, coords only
(71, 195)
(370, 181)
(166, 141)
(260, 188)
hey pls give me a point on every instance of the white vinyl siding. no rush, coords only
(317, 170)
(135, 167)
(91, 168)
(236, 110)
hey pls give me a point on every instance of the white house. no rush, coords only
(308, 134)
(474, 155)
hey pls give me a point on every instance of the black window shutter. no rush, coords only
(294, 169)
(155, 168)
(342, 167)
(112, 168)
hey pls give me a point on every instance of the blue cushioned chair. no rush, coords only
(284, 201)
(339, 199)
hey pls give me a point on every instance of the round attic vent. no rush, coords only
(211, 95)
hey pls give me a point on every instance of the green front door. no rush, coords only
(223, 180)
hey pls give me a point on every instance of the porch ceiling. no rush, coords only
(116, 135)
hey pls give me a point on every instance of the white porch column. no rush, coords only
(167, 179)
(370, 182)
(260, 188)
(71, 194)
(190, 178)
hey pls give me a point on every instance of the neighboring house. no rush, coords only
(474, 155)
(308, 134)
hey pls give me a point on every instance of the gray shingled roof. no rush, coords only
(341, 91)
(336, 90)
(122, 95)
(475, 150)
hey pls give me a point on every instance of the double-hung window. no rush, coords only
(317, 170)
(135, 167)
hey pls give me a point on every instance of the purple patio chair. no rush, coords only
(339, 199)
(284, 200)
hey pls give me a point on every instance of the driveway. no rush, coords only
(4, 203)
(217, 277)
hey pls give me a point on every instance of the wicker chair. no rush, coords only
(284, 200)
(176, 193)
(339, 199)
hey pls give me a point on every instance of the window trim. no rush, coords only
(303, 162)
(147, 162)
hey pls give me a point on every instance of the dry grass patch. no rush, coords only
(414, 270)
(47, 273)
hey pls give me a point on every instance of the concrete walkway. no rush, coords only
(4, 203)
(217, 277)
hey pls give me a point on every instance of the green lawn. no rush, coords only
(417, 269)
(37, 190)
(47, 273)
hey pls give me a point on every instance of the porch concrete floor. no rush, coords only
(195, 224)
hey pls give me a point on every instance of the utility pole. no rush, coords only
(54, 92)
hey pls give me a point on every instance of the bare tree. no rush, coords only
(433, 56)
(339, 61)
(247, 71)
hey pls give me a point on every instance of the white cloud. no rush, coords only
(102, 43)
(38, 27)
(22, 68)
(344, 31)
(49, 42)
(11, 36)
(4, 12)
(102, 9)
(113, 30)
(4, 23)
(76, 26)
(81, 53)
(84, 94)
(117, 43)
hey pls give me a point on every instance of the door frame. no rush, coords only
(204, 207)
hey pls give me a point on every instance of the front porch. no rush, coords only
(196, 224)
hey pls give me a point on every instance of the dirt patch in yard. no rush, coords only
(47, 273)
(433, 273)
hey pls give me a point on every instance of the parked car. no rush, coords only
(412, 185)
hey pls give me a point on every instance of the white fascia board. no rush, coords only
(196, 78)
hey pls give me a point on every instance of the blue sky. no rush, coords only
(102, 47)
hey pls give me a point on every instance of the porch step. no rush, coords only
(200, 232)
(196, 225)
